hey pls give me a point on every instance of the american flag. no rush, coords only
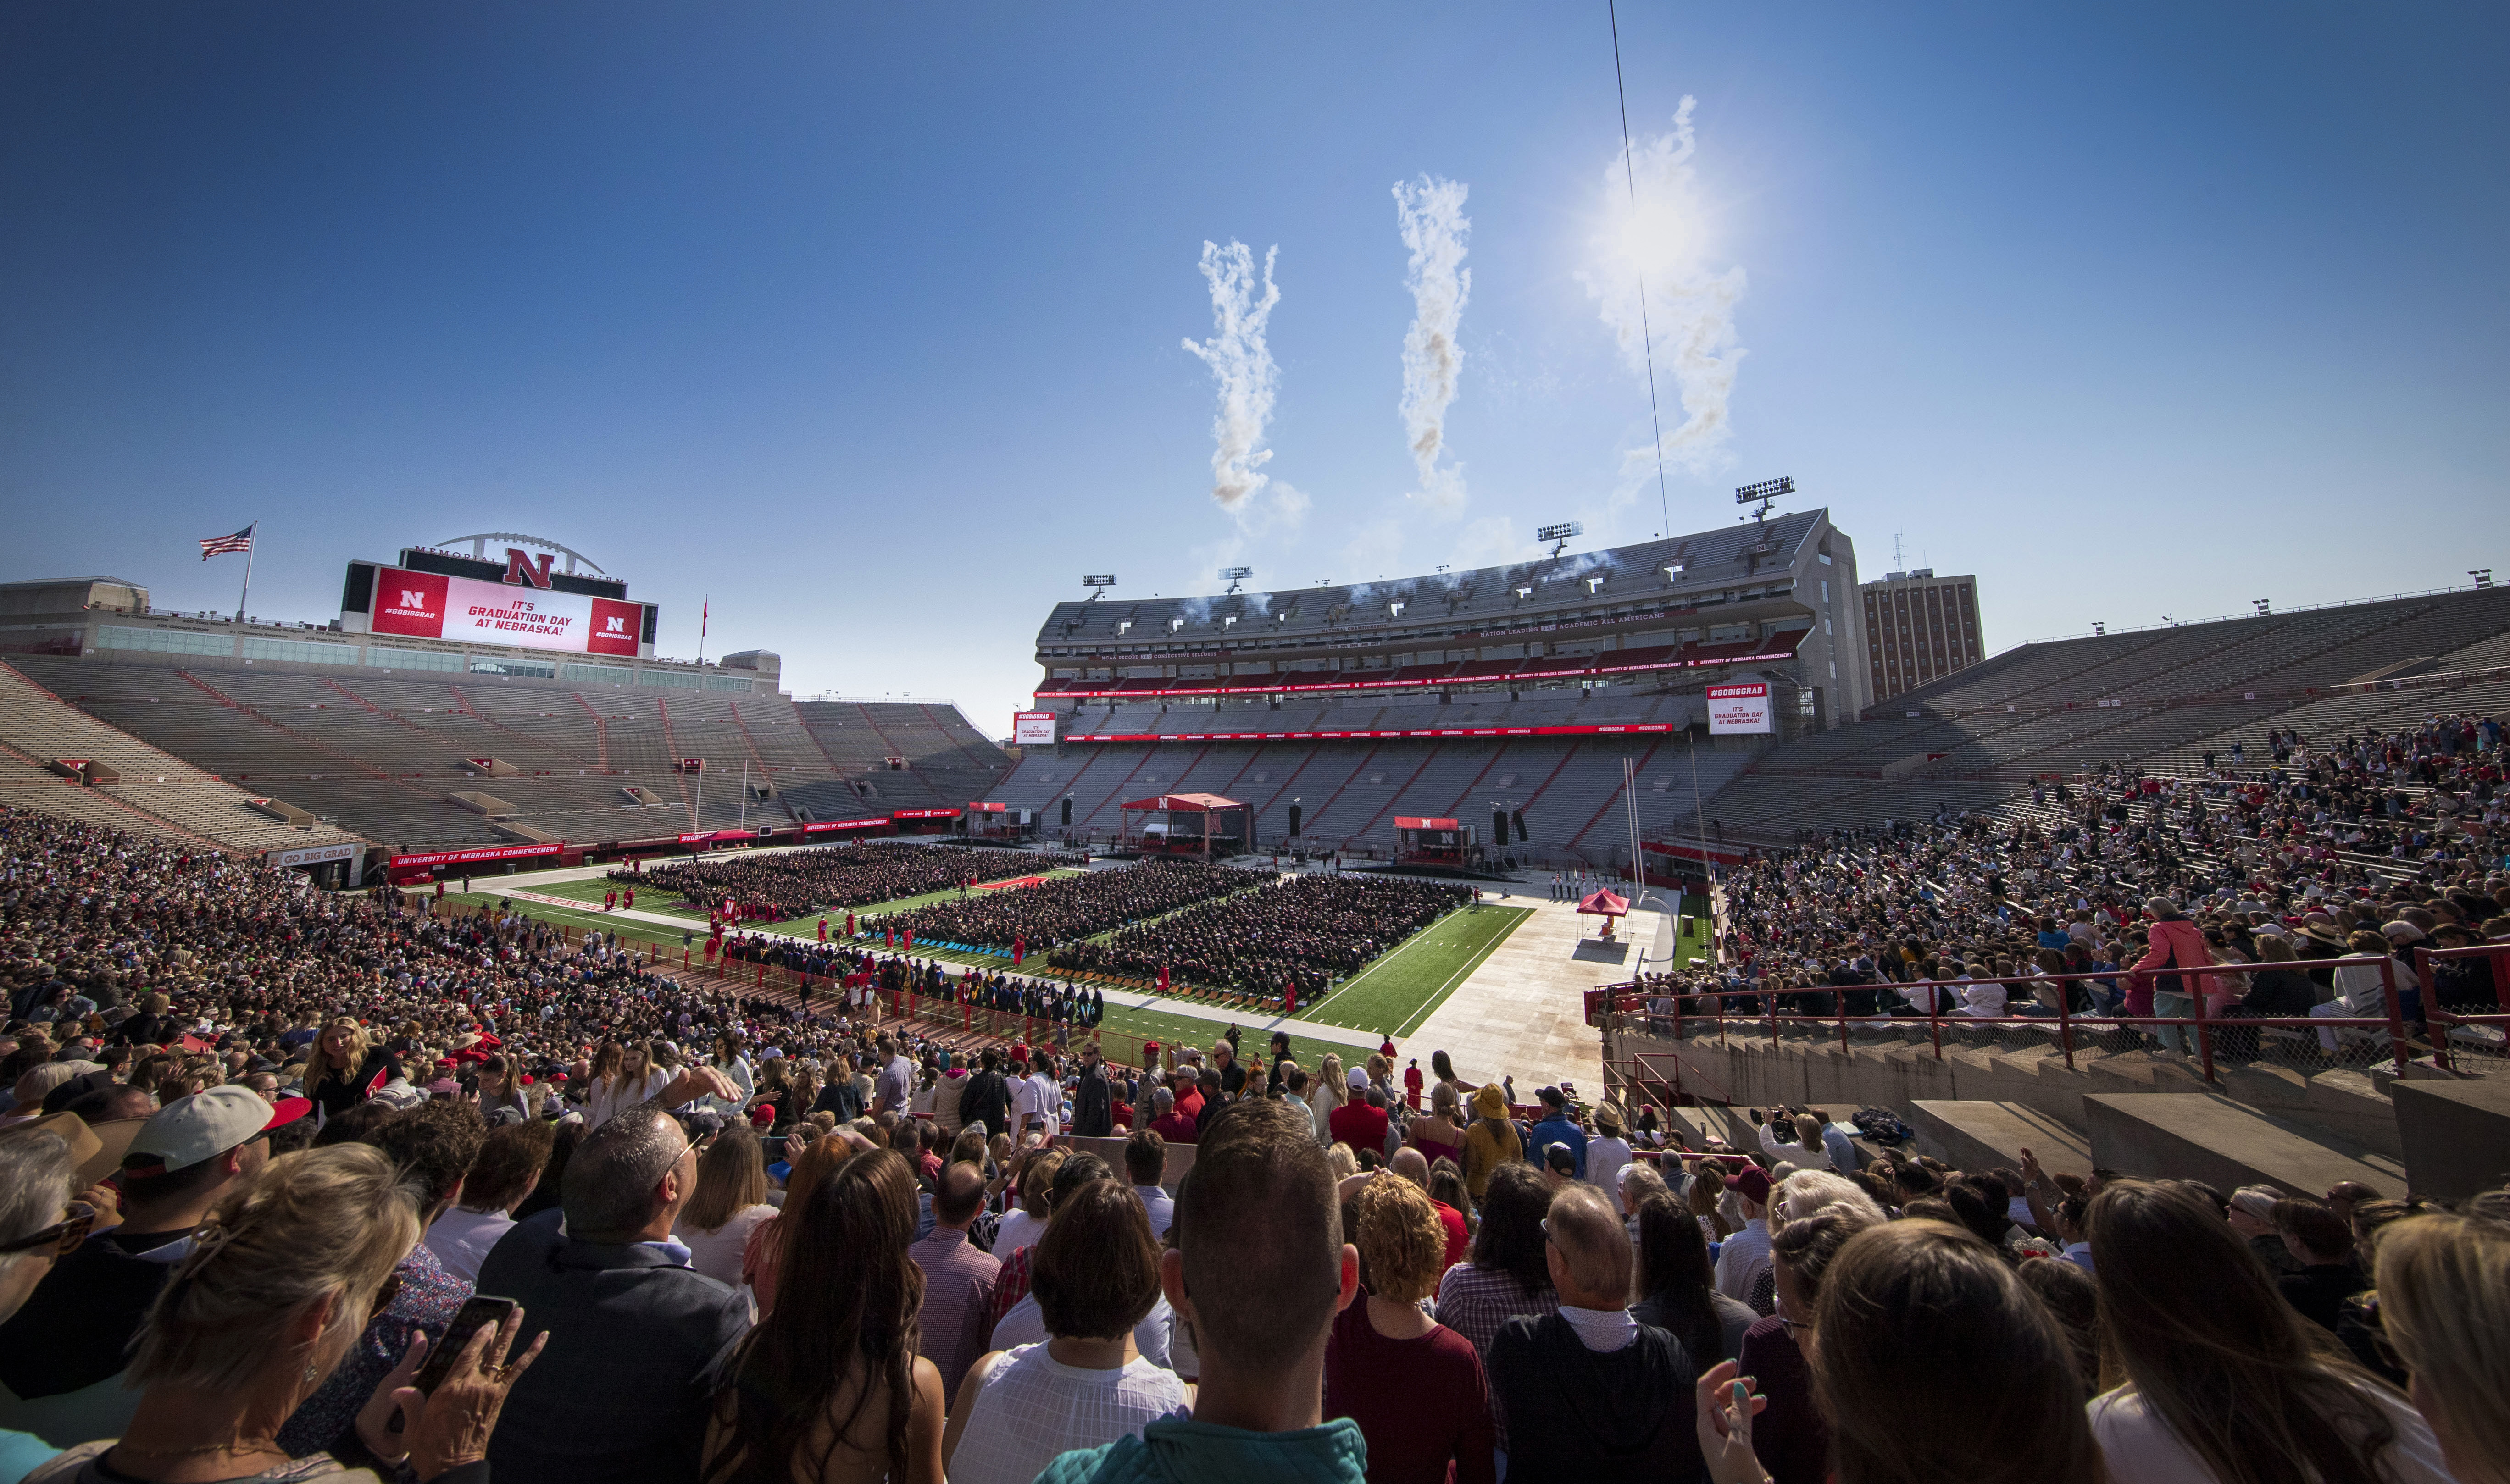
(220, 545)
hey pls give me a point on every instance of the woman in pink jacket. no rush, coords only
(2177, 943)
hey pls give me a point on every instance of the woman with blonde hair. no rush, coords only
(729, 1204)
(1331, 1089)
(344, 1069)
(631, 1080)
(1023, 1226)
(2213, 1376)
(277, 1287)
(1440, 1133)
(1415, 1386)
(2443, 1303)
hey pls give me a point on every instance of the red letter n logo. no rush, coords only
(520, 569)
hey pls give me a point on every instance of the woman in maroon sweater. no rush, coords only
(1414, 1385)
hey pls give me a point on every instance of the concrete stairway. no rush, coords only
(1984, 1135)
(2228, 1145)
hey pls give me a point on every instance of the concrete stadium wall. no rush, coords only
(1752, 1072)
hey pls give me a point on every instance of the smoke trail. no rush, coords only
(1430, 214)
(1243, 365)
(1661, 242)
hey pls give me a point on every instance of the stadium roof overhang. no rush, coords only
(1771, 650)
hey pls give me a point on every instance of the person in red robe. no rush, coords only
(823, 929)
(1290, 998)
(1019, 948)
(609, 901)
(1163, 979)
(631, 899)
(850, 925)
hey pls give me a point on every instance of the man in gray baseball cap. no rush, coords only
(61, 1355)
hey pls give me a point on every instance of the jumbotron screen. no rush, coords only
(429, 605)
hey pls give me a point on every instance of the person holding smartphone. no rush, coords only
(241, 1338)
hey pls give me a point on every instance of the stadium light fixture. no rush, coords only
(2265, 609)
(1098, 582)
(1559, 534)
(2098, 629)
(2483, 577)
(1233, 576)
(1765, 494)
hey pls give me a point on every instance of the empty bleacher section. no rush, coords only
(155, 794)
(384, 755)
(2158, 699)
(941, 766)
(1350, 791)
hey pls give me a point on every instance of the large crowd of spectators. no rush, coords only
(2263, 872)
(297, 1185)
(1300, 934)
(778, 885)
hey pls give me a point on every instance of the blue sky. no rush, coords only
(866, 322)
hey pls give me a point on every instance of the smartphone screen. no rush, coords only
(478, 1310)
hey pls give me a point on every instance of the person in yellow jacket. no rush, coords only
(1491, 1142)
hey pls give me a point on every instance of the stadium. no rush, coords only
(1880, 871)
(1641, 989)
(1706, 698)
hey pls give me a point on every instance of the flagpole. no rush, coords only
(705, 606)
(246, 596)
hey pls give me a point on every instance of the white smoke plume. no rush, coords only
(1243, 365)
(1431, 212)
(1661, 242)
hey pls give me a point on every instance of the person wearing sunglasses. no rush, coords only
(38, 1223)
(278, 1285)
(62, 1355)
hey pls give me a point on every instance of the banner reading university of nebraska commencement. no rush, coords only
(429, 605)
(1743, 707)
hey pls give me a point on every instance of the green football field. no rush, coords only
(1398, 992)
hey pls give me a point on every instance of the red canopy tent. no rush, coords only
(1606, 905)
(1199, 809)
